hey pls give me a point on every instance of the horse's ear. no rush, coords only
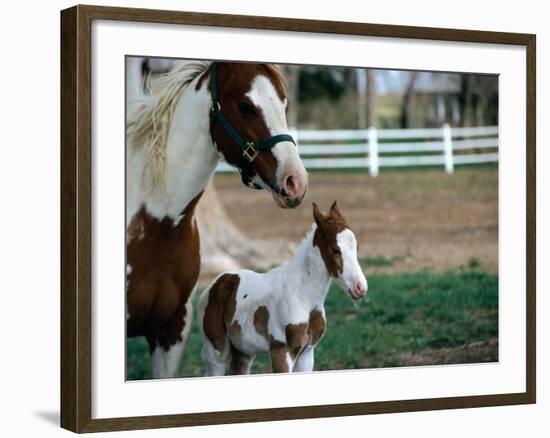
(317, 215)
(334, 210)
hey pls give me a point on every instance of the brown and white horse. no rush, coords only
(280, 312)
(174, 142)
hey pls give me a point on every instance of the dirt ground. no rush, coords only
(404, 220)
(475, 352)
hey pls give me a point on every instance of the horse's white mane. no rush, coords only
(149, 124)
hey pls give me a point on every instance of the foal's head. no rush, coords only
(338, 248)
(252, 97)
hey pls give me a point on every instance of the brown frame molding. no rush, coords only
(76, 172)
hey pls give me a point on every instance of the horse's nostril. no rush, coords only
(293, 188)
(289, 183)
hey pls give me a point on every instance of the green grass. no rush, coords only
(402, 313)
(377, 261)
(381, 261)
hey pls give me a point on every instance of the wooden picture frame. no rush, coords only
(76, 217)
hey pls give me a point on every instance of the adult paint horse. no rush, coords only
(280, 312)
(205, 111)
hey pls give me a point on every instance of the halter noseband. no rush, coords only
(250, 149)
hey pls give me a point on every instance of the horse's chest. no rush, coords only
(163, 246)
(163, 266)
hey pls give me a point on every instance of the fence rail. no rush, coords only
(376, 148)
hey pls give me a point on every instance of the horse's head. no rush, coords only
(248, 126)
(338, 248)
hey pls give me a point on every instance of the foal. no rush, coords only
(282, 311)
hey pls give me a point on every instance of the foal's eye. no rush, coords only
(246, 108)
(336, 251)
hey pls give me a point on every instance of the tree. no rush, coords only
(407, 98)
(371, 98)
(466, 99)
(361, 87)
(292, 74)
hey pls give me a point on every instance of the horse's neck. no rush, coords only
(308, 269)
(191, 160)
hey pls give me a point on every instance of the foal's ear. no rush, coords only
(317, 215)
(334, 210)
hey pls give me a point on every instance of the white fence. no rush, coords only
(376, 148)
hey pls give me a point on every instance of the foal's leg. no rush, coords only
(239, 363)
(281, 362)
(166, 356)
(215, 360)
(305, 360)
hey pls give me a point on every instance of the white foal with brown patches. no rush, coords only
(280, 312)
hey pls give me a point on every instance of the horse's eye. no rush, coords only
(336, 251)
(246, 108)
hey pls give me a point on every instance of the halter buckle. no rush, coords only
(216, 107)
(250, 152)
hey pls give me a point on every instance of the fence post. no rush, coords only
(448, 148)
(373, 151)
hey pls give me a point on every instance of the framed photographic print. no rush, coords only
(267, 218)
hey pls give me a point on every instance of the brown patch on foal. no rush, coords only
(238, 363)
(220, 309)
(261, 318)
(235, 331)
(165, 262)
(317, 326)
(278, 351)
(297, 338)
(328, 226)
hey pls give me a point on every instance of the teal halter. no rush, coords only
(250, 149)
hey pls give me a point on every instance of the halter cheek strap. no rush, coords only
(250, 149)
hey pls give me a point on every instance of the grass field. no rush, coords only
(420, 318)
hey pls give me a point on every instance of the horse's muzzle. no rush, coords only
(287, 201)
